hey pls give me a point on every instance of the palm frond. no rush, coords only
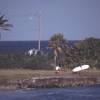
(4, 25)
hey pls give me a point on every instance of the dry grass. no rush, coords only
(26, 73)
(22, 73)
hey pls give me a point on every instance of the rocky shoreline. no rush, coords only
(48, 82)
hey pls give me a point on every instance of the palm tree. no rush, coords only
(4, 25)
(56, 42)
(64, 53)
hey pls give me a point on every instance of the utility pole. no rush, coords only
(38, 15)
(39, 39)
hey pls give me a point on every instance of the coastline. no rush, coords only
(51, 81)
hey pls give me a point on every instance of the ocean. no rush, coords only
(23, 46)
(70, 93)
(20, 46)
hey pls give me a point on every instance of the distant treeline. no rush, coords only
(83, 52)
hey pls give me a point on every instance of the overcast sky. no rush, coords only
(76, 19)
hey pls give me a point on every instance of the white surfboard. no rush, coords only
(85, 67)
(77, 69)
(80, 68)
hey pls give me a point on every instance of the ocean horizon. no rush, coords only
(24, 46)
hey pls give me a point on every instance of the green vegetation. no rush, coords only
(22, 61)
(83, 52)
(89, 52)
(59, 46)
(18, 65)
(4, 25)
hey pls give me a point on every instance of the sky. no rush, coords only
(75, 19)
